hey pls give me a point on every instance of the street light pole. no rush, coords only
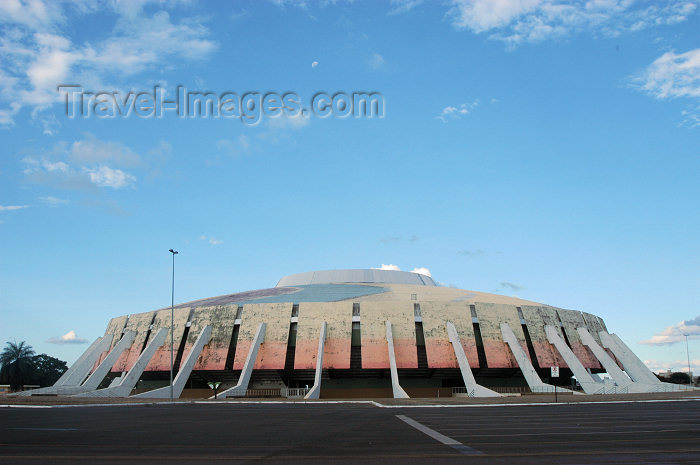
(172, 324)
(687, 351)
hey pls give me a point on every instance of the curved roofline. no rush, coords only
(356, 277)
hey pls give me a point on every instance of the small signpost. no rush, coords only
(215, 386)
(555, 374)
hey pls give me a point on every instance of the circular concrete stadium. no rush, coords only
(357, 334)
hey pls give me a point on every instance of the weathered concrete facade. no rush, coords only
(336, 352)
(222, 321)
(374, 344)
(570, 321)
(141, 323)
(161, 359)
(435, 316)
(338, 315)
(274, 346)
(499, 338)
(374, 314)
(490, 318)
(536, 318)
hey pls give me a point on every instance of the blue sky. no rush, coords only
(540, 149)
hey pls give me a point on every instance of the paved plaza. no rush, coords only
(235, 432)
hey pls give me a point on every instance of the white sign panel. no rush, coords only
(555, 372)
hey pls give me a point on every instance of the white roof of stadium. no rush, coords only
(356, 276)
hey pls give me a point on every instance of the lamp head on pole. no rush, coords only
(173, 251)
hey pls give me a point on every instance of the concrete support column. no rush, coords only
(533, 379)
(69, 373)
(473, 389)
(69, 383)
(117, 380)
(635, 368)
(399, 393)
(315, 391)
(240, 389)
(617, 375)
(124, 388)
(87, 361)
(584, 378)
(183, 373)
(99, 374)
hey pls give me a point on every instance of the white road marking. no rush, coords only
(368, 402)
(580, 433)
(466, 450)
(46, 429)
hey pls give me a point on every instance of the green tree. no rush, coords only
(47, 369)
(17, 366)
(679, 378)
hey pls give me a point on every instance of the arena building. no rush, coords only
(357, 333)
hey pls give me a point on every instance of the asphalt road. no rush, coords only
(643, 432)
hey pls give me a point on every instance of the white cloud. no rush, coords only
(69, 338)
(62, 175)
(678, 365)
(9, 208)
(87, 163)
(54, 174)
(162, 151)
(691, 117)
(40, 54)
(236, 15)
(31, 13)
(6, 116)
(49, 123)
(92, 150)
(314, 64)
(672, 75)
(675, 333)
(55, 166)
(210, 240)
(422, 270)
(392, 267)
(236, 147)
(285, 121)
(131, 9)
(518, 21)
(53, 59)
(53, 201)
(388, 267)
(402, 6)
(376, 61)
(303, 4)
(453, 112)
(276, 131)
(104, 176)
(483, 15)
(456, 112)
(144, 41)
